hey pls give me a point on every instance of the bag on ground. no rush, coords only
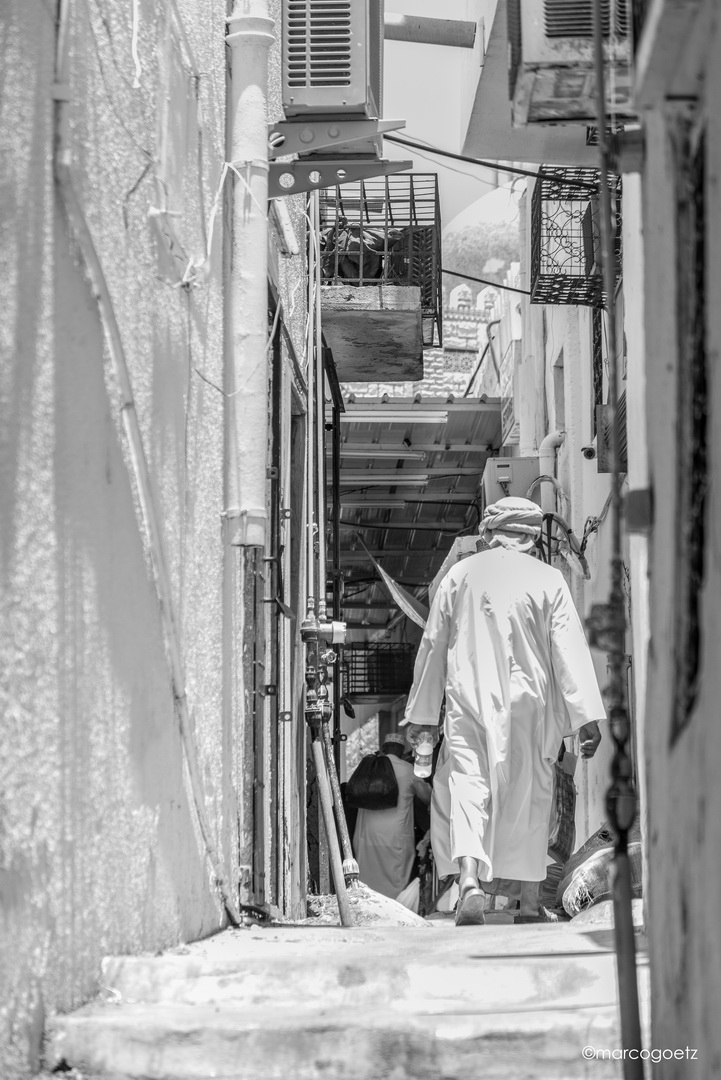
(590, 882)
(373, 785)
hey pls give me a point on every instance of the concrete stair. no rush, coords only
(363, 1004)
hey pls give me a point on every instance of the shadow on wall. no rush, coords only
(100, 852)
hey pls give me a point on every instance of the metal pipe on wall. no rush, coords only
(320, 415)
(456, 33)
(250, 35)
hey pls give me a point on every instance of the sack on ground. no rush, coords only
(590, 883)
(373, 785)
(602, 838)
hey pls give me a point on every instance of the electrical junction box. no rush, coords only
(510, 476)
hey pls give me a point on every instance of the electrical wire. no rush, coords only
(484, 281)
(495, 165)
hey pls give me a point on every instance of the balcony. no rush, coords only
(565, 237)
(381, 267)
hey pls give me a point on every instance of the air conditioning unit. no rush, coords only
(551, 61)
(332, 58)
(509, 476)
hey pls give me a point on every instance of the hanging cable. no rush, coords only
(495, 165)
(484, 281)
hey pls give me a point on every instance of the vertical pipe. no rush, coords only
(319, 418)
(310, 435)
(337, 581)
(326, 801)
(250, 35)
(350, 866)
(621, 800)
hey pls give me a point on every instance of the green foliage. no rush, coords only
(485, 250)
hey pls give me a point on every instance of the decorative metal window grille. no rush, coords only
(386, 231)
(377, 668)
(692, 460)
(565, 237)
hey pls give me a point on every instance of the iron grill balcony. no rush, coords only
(386, 231)
(565, 237)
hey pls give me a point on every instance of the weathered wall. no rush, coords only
(684, 795)
(99, 849)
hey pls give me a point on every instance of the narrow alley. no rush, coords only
(359, 589)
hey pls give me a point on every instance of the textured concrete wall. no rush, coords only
(554, 389)
(99, 851)
(684, 795)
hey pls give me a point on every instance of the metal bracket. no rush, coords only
(283, 608)
(309, 136)
(293, 177)
(285, 717)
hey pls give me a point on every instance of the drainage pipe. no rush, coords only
(250, 35)
(547, 467)
(456, 33)
(138, 461)
(319, 415)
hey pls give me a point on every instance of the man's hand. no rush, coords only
(590, 739)
(416, 732)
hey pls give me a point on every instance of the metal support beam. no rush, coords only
(311, 174)
(309, 136)
(456, 33)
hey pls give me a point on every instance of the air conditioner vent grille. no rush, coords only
(318, 43)
(574, 18)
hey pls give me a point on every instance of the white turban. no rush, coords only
(513, 523)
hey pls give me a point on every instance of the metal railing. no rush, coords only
(386, 231)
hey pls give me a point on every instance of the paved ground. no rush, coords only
(427, 1002)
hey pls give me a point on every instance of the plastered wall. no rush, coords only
(99, 849)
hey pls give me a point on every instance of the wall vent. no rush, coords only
(332, 58)
(574, 18)
(318, 43)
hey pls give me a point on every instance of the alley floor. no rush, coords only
(428, 1002)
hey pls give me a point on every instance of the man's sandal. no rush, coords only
(469, 909)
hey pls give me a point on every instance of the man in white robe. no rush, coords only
(504, 644)
(384, 840)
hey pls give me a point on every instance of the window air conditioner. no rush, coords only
(551, 64)
(332, 58)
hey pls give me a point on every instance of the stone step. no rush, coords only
(359, 978)
(200, 1042)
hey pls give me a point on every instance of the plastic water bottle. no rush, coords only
(424, 756)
